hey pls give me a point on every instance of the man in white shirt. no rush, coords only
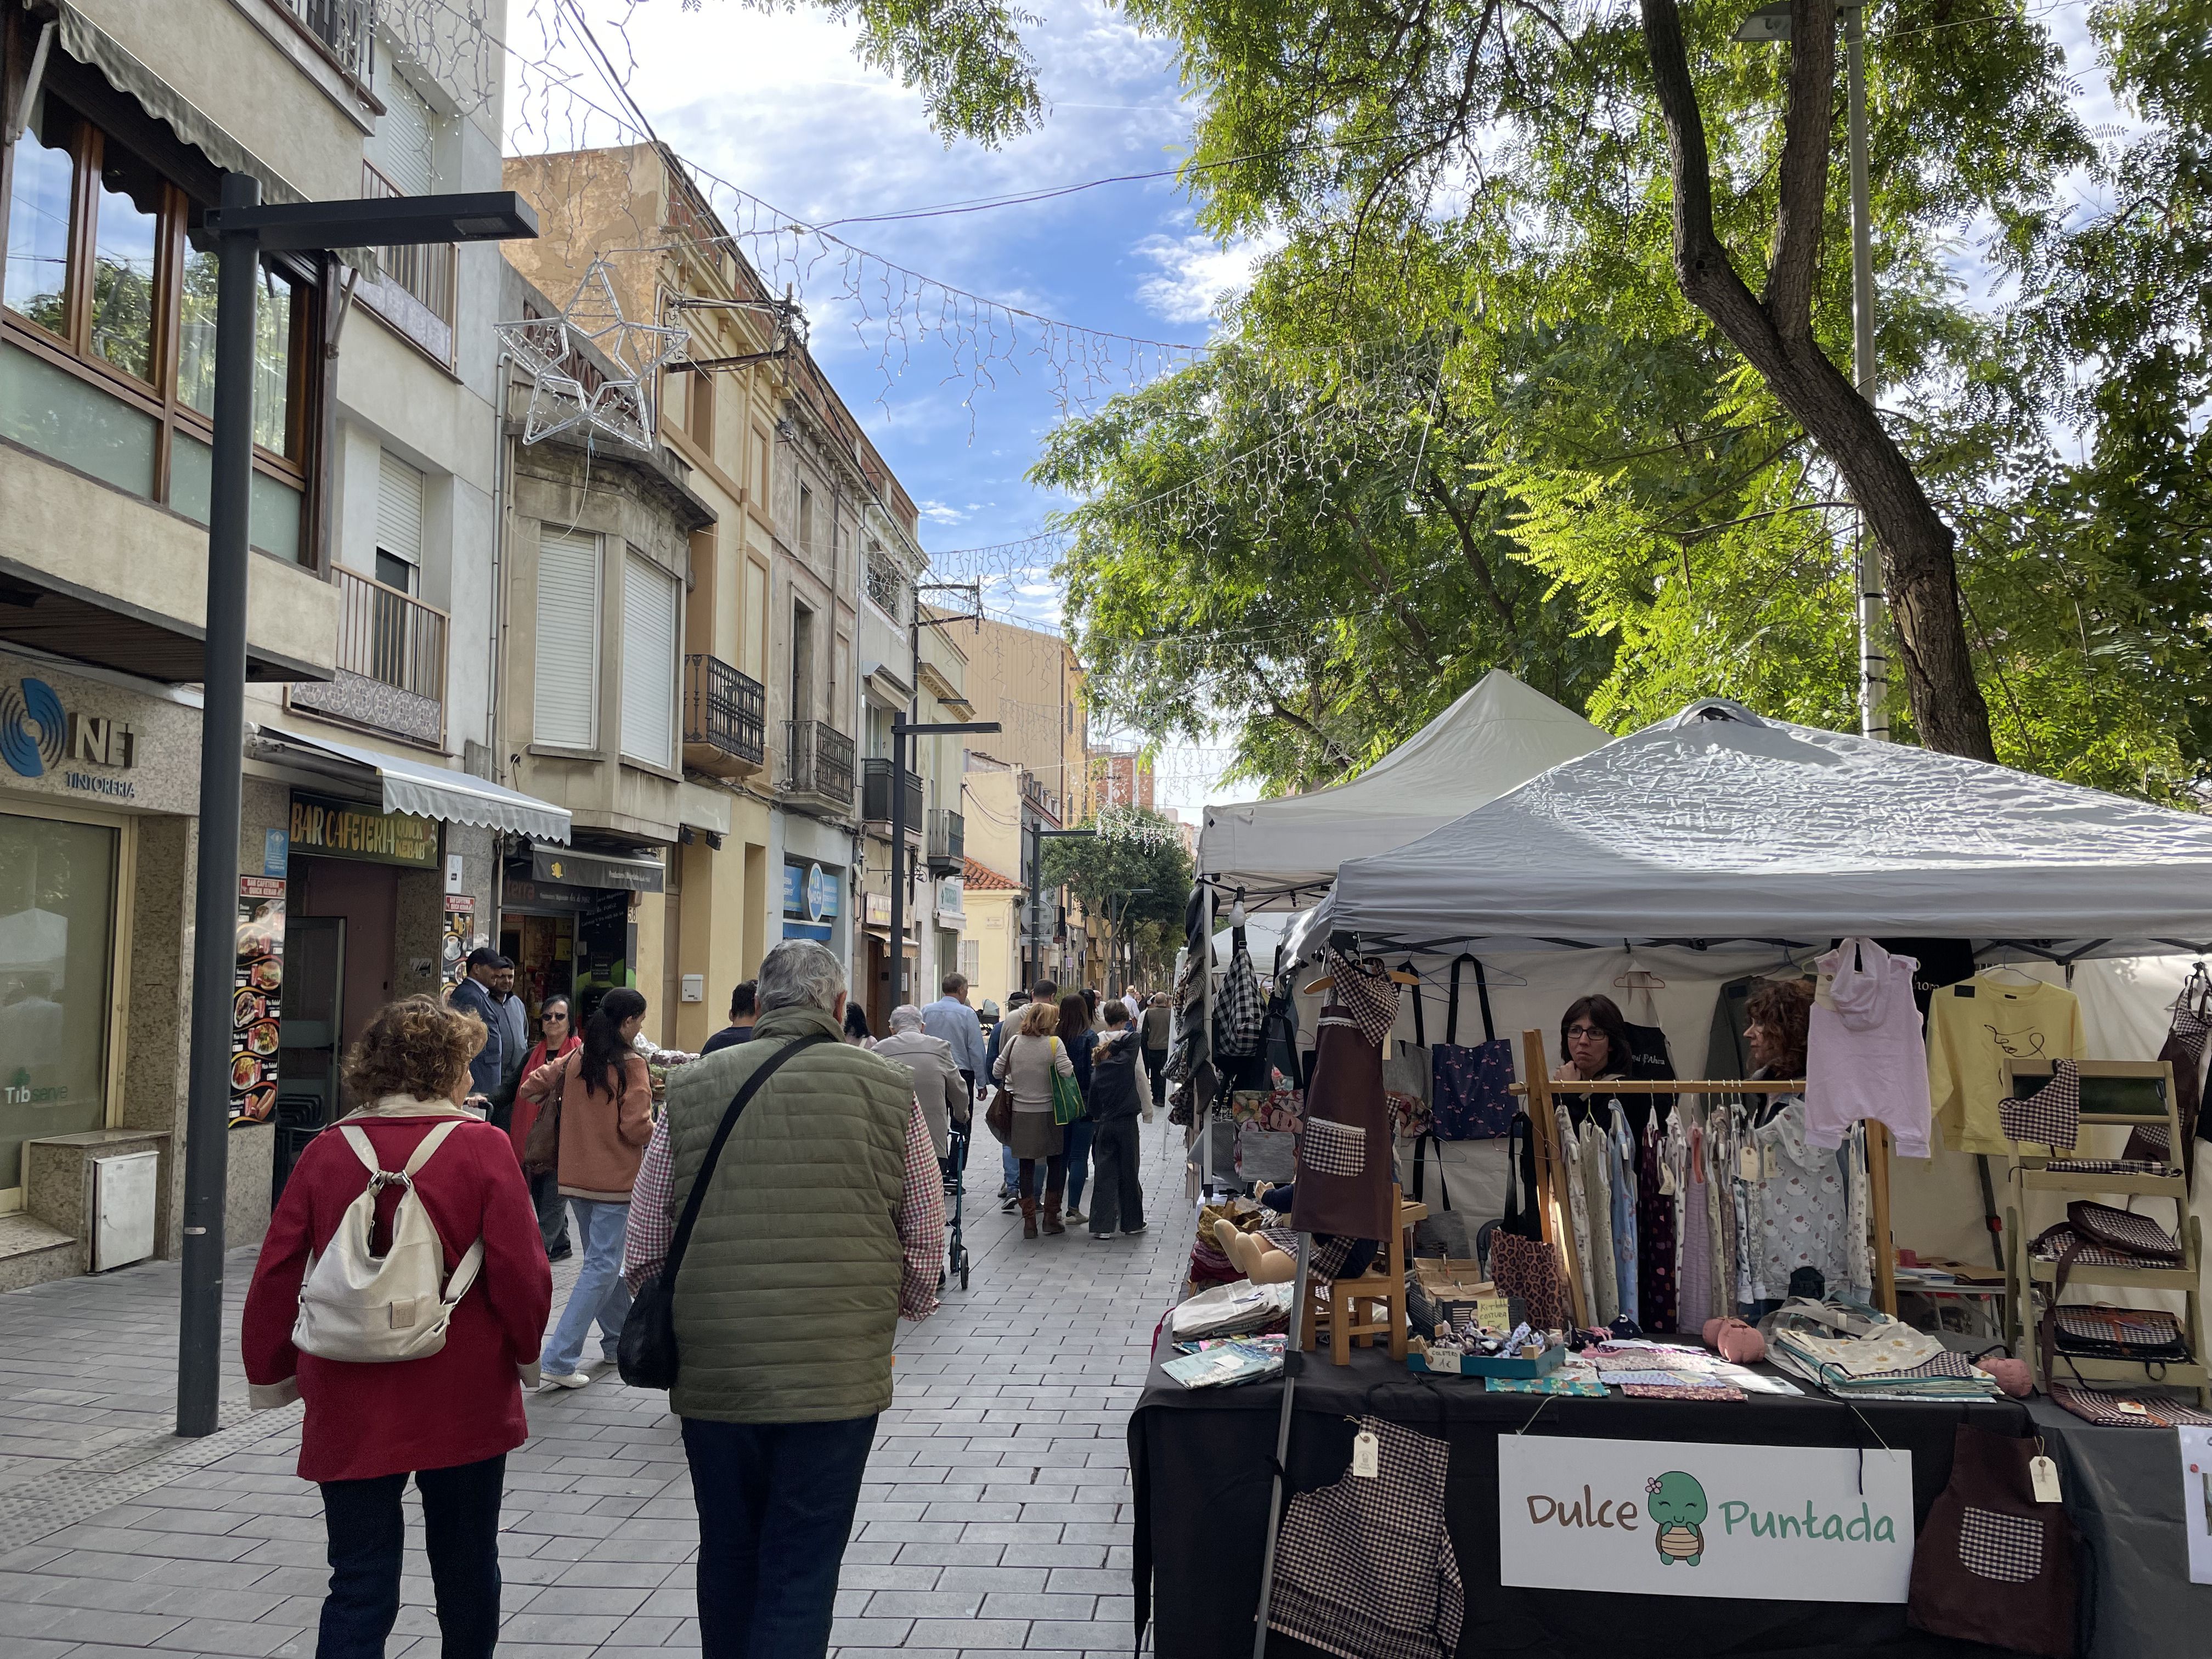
(951, 1019)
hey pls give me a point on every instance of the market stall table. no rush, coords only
(1202, 1462)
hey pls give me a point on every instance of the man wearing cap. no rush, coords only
(473, 995)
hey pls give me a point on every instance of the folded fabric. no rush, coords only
(1680, 1390)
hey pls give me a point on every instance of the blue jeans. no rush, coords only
(1011, 1167)
(367, 1532)
(1076, 1143)
(775, 1503)
(600, 1292)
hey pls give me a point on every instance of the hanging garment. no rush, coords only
(1578, 1209)
(1991, 1564)
(1406, 1076)
(1650, 1057)
(1864, 1054)
(1344, 1155)
(1620, 1146)
(1655, 1237)
(1594, 1148)
(1858, 1253)
(1694, 1304)
(1365, 1568)
(1975, 1029)
(1797, 1204)
(1473, 1095)
(1241, 1016)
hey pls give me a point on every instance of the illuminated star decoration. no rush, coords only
(622, 405)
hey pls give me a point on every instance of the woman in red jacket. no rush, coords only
(448, 1418)
(557, 1040)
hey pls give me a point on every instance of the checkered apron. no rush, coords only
(1365, 1568)
(2051, 1116)
(1991, 1564)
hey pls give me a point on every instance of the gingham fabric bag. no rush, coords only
(2051, 1116)
(1365, 1568)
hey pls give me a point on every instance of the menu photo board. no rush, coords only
(257, 999)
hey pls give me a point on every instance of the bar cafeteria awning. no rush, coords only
(430, 791)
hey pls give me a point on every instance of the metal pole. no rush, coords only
(899, 862)
(222, 725)
(1293, 1361)
(1873, 660)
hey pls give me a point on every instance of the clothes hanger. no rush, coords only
(1396, 974)
(1636, 978)
(2020, 977)
(1505, 976)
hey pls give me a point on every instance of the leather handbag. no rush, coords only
(541, 1147)
(1991, 1564)
(647, 1355)
(998, 1116)
(1470, 1098)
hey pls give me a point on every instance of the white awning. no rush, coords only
(433, 792)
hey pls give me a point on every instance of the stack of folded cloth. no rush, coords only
(1238, 1309)
(1650, 1371)
(1890, 1361)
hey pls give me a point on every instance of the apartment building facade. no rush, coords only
(371, 818)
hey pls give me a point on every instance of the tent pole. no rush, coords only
(1293, 1361)
(1201, 1114)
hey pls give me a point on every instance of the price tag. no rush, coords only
(1366, 1456)
(1747, 1163)
(1492, 1311)
(2043, 1474)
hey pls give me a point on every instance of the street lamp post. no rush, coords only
(1772, 23)
(901, 729)
(243, 230)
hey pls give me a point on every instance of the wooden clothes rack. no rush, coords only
(1552, 1170)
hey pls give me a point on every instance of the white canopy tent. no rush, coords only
(1717, 844)
(1285, 854)
(1717, 827)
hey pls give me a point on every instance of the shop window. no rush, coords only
(565, 712)
(107, 334)
(652, 609)
(56, 924)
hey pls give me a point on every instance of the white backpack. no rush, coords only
(369, 1309)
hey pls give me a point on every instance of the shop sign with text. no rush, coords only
(1663, 1517)
(348, 830)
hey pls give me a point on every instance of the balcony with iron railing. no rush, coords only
(947, 846)
(390, 663)
(818, 763)
(725, 719)
(414, 291)
(342, 28)
(875, 798)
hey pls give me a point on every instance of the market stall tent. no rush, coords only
(1285, 854)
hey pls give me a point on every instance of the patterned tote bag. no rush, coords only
(1471, 1094)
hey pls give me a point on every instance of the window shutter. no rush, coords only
(398, 510)
(650, 603)
(401, 148)
(565, 709)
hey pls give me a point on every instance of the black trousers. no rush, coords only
(367, 1530)
(1117, 1193)
(552, 1211)
(1156, 1062)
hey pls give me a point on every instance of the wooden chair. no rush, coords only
(1370, 1306)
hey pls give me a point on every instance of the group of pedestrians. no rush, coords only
(1045, 1036)
(819, 1224)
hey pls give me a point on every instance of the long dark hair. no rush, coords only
(1603, 1013)
(603, 1048)
(856, 1023)
(1074, 1018)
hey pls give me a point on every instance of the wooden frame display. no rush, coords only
(1551, 1159)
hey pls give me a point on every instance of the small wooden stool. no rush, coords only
(1371, 1305)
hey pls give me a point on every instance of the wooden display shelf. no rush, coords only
(2038, 1180)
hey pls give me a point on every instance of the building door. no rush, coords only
(544, 951)
(309, 1045)
(368, 897)
(878, 1001)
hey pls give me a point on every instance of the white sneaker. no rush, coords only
(1131, 1233)
(573, 1380)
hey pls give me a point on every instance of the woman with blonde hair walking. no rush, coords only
(1026, 1067)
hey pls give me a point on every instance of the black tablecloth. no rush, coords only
(2123, 1488)
(1201, 1461)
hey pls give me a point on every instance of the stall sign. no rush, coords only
(257, 999)
(1663, 1517)
(2197, 1500)
(347, 830)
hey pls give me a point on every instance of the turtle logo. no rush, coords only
(32, 727)
(1676, 1504)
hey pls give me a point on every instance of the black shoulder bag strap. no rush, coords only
(1420, 1026)
(1482, 990)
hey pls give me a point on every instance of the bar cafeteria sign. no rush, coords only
(1660, 1517)
(342, 829)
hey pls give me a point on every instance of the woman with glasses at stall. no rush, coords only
(556, 1036)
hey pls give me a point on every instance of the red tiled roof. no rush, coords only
(979, 879)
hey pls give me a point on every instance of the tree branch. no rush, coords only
(1283, 711)
(1808, 136)
(1378, 579)
(1484, 578)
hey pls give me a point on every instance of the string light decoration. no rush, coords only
(620, 406)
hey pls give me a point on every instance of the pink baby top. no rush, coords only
(1865, 1053)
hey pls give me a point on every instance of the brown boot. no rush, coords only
(1052, 1210)
(1030, 1217)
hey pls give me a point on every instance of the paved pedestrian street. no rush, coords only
(995, 1516)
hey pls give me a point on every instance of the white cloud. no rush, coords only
(1195, 273)
(938, 512)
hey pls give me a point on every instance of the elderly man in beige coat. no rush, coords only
(938, 1084)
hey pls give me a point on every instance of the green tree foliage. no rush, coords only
(1144, 850)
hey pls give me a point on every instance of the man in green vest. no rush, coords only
(822, 1225)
